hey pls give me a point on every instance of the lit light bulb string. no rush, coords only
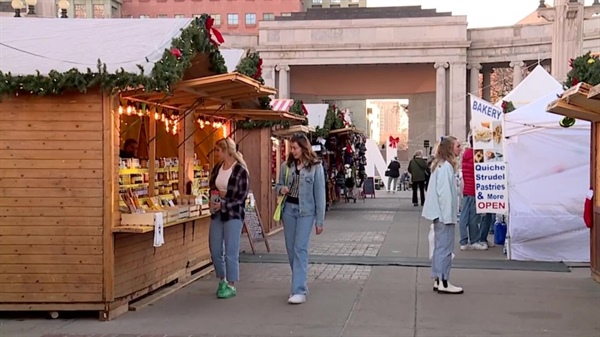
(169, 118)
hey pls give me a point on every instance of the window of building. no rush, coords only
(179, 16)
(317, 2)
(161, 16)
(336, 1)
(233, 19)
(217, 18)
(80, 11)
(99, 12)
(250, 19)
(268, 16)
(144, 16)
(286, 14)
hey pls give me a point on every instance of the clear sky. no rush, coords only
(480, 13)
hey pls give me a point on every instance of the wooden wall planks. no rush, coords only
(51, 198)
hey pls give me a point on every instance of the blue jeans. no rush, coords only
(296, 230)
(226, 261)
(487, 220)
(469, 222)
(441, 261)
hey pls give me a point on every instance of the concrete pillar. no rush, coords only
(474, 78)
(458, 100)
(440, 100)
(517, 72)
(268, 75)
(284, 81)
(487, 84)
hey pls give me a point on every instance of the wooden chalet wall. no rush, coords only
(51, 200)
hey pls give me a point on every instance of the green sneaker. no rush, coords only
(227, 292)
(222, 286)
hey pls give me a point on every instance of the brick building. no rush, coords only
(231, 16)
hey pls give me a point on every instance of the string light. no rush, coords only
(120, 109)
(129, 110)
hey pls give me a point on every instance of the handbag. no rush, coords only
(281, 198)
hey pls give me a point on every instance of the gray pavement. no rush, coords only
(347, 300)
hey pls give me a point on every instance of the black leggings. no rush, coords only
(421, 186)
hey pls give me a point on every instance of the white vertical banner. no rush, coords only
(487, 128)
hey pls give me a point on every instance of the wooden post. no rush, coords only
(110, 146)
(186, 131)
(152, 156)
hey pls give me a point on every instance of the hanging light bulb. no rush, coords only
(140, 113)
(129, 110)
(156, 115)
(162, 117)
(120, 109)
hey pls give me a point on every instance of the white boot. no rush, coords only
(450, 289)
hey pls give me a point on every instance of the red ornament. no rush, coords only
(258, 73)
(575, 81)
(176, 52)
(571, 63)
(588, 209)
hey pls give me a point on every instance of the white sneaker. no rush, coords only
(466, 247)
(480, 246)
(491, 244)
(450, 289)
(297, 299)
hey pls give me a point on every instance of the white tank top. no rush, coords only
(222, 180)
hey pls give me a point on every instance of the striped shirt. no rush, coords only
(295, 188)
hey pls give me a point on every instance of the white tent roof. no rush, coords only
(537, 84)
(30, 44)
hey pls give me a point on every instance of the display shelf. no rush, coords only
(134, 185)
(148, 229)
(133, 171)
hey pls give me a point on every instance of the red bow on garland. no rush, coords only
(258, 73)
(209, 27)
(394, 142)
(304, 111)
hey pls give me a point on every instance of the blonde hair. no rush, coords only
(227, 145)
(418, 153)
(444, 152)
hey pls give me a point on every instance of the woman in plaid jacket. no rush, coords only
(230, 178)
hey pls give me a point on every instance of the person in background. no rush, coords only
(470, 234)
(404, 180)
(302, 181)
(393, 173)
(229, 177)
(417, 167)
(441, 207)
(130, 149)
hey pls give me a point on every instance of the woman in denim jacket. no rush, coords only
(302, 182)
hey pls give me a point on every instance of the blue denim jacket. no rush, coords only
(312, 190)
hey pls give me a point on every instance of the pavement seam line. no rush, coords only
(415, 303)
(356, 300)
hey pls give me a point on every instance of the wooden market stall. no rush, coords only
(64, 244)
(582, 101)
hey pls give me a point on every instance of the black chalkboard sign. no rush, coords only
(254, 228)
(369, 187)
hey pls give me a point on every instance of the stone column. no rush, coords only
(284, 81)
(440, 100)
(268, 75)
(487, 84)
(458, 100)
(517, 72)
(474, 78)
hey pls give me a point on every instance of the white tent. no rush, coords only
(116, 42)
(548, 177)
(537, 84)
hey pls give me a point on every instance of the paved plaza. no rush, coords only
(358, 299)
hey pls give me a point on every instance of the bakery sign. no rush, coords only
(487, 128)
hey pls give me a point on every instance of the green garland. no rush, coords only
(508, 106)
(332, 122)
(193, 39)
(585, 68)
(251, 66)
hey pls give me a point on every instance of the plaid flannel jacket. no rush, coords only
(232, 206)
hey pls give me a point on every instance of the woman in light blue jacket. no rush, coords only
(441, 207)
(302, 182)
